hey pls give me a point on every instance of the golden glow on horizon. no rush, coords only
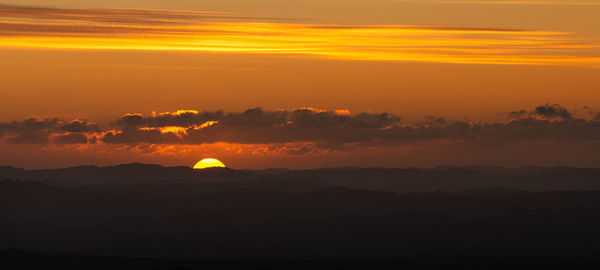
(342, 112)
(180, 131)
(209, 163)
(178, 112)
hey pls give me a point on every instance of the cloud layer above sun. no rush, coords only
(176, 30)
(552, 130)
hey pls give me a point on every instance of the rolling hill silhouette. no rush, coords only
(480, 214)
(386, 179)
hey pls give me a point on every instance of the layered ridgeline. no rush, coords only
(385, 179)
(151, 211)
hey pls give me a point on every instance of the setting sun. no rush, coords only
(209, 163)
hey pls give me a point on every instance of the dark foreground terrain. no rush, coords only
(150, 217)
(29, 260)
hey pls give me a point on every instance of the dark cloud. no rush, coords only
(327, 129)
(29, 137)
(181, 119)
(35, 130)
(516, 114)
(311, 119)
(256, 126)
(547, 111)
(73, 138)
(80, 126)
(432, 121)
(134, 136)
(257, 117)
(30, 125)
(251, 126)
(553, 111)
(522, 129)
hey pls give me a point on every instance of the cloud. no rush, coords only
(120, 15)
(547, 111)
(257, 117)
(29, 137)
(301, 131)
(176, 30)
(135, 136)
(31, 130)
(72, 138)
(256, 126)
(34, 130)
(553, 111)
(80, 126)
(251, 126)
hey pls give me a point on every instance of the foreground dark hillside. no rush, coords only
(32, 260)
(135, 216)
(188, 220)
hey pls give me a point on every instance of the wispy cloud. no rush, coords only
(121, 15)
(119, 29)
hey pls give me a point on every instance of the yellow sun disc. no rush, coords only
(209, 163)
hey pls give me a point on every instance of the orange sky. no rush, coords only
(461, 60)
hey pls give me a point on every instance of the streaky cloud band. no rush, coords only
(210, 32)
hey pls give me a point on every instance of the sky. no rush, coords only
(300, 84)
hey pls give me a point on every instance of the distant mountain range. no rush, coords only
(150, 211)
(386, 179)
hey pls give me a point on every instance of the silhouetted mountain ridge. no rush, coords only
(445, 178)
(124, 173)
(188, 220)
